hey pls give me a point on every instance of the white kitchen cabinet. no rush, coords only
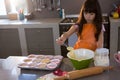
(119, 39)
(39, 40)
(114, 35)
(19, 38)
(9, 42)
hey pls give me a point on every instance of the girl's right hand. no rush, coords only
(61, 40)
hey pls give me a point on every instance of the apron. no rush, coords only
(87, 38)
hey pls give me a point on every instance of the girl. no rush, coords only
(88, 27)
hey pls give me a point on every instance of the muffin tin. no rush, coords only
(42, 62)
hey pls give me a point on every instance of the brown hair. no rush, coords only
(91, 6)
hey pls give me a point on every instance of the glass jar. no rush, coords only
(101, 57)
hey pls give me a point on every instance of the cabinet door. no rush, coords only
(118, 39)
(107, 36)
(39, 40)
(9, 43)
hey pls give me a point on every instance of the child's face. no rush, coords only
(89, 17)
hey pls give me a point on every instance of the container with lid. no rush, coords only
(101, 57)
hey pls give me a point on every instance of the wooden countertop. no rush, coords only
(10, 71)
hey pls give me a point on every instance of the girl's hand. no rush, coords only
(64, 36)
(61, 39)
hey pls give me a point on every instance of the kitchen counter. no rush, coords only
(24, 33)
(40, 21)
(10, 71)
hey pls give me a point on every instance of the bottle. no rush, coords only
(63, 13)
(101, 57)
(21, 15)
(60, 12)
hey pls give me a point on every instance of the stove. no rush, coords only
(73, 19)
(69, 20)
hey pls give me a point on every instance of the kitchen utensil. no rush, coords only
(43, 4)
(68, 47)
(65, 45)
(51, 5)
(81, 58)
(73, 75)
(37, 5)
(58, 4)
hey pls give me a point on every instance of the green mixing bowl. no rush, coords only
(81, 58)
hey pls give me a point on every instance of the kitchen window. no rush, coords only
(2, 8)
(16, 5)
(7, 6)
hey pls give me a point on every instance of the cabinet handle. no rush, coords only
(38, 30)
(42, 50)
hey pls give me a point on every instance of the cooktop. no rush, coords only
(72, 20)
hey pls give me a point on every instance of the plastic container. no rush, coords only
(101, 57)
(21, 15)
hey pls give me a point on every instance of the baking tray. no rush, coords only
(41, 62)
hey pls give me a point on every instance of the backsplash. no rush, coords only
(70, 7)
